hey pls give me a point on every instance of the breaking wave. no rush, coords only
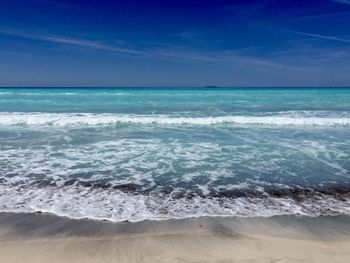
(104, 201)
(92, 119)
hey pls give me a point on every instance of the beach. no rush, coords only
(48, 238)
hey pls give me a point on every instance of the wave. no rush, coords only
(96, 200)
(91, 119)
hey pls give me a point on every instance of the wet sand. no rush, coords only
(47, 238)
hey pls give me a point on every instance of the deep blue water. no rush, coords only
(133, 154)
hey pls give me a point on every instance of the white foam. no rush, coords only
(114, 205)
(199, 164)
(90, 119)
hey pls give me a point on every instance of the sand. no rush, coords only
(47, 238)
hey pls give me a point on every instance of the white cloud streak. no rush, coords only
(72, 42)
(229, 57)
(303, 18)
(182, 54)
(346, 2)
(319, 36)
(327, 37)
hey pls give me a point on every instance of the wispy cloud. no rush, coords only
(309, 55)
(182, 54)
(327, 37)
(84, 43)
(319, 36)
(90, 44)
(303, 18)
(235, 58)
(347, 2)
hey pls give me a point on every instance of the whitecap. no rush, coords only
(91, 119)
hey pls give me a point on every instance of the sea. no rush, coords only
(133, 154)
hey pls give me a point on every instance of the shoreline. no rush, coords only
(27, 237)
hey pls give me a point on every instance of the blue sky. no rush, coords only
(174, 43)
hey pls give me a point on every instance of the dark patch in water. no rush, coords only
(126, 188)
(70, 182)
(339, 192)
(3, 180)
(178, 194)
(43, 183)
(297, 193)
(104, 184)
(162, 190)
(237, 193)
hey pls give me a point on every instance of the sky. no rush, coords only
(132, 43)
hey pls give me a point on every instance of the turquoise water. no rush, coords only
(135, 154)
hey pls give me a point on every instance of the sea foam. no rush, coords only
(114, 205)
(92, 119)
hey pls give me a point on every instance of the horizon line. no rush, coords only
(174, 87)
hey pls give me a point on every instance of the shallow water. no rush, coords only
(135, 154)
